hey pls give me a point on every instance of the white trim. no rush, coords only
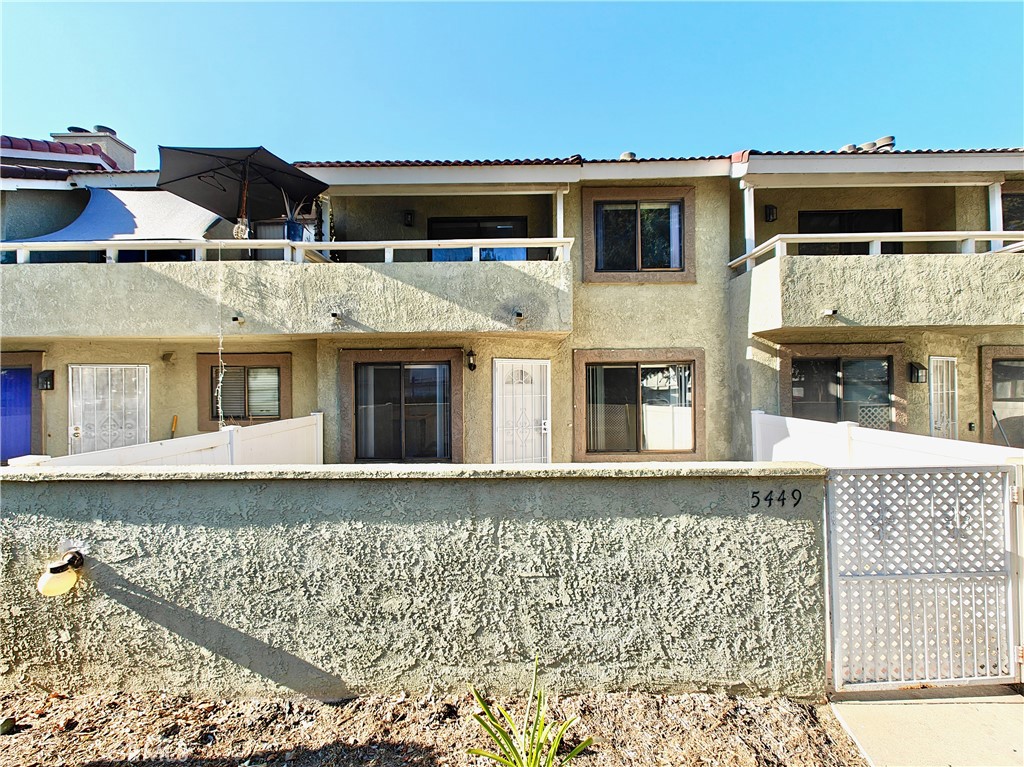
(951, 162)
(16, 184)
(446, 174)
(439, 190)
(995, 212)
(749, 224)
(136, 179)
(650, 169)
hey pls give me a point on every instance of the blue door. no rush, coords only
(15, 412)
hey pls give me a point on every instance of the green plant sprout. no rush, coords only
(536, 744)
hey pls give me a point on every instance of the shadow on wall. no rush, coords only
(374, 752)
(256, 655)
(337, 753)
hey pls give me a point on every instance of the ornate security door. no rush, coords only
(922, 577)
(108, 406)
(522, 411)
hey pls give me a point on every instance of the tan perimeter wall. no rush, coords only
(345, 581)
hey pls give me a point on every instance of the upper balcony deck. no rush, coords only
(301, 292)
(966, 280)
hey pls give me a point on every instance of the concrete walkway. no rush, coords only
(957, 727)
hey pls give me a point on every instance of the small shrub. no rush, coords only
(535, 744)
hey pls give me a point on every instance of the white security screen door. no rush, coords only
(942, 382)
(522, 411)
(108, 407)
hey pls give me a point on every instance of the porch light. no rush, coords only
(917, 373)
(771, 213)
(471, 360)
(60, 576)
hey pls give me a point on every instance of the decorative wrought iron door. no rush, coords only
(108, 406)
(921, 577)
(942, 402)
(522, 411)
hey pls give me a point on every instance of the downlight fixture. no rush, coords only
(61, 575)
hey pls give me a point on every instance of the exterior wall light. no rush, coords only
(60, 576)
(771, 213)
(471, 359)
(917, 373)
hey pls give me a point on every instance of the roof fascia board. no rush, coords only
(829, 180)
(975, 162)
(438, 190)
(30, 154)
(466, 175)
(651, 169)
(16, 184)
(132, 180)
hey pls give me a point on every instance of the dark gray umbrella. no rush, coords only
(239, 185)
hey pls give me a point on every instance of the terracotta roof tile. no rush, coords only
(55, 147)
(34, 172)
(574, 160)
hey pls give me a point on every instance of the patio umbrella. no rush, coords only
(239, 185)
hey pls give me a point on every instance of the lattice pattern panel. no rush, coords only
(873, 416)
(920, 576)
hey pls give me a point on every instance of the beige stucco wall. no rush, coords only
(193, 300)
(172, 385)
(336, 583)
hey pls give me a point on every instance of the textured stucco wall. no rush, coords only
(682, 315)
(181, 299)
(172, 385)
(645, 579)
(33, 212)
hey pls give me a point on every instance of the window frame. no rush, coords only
(206, 363)
(684, 195)
(988, 354)
(347, 361)
(897, 373)
(582, 358)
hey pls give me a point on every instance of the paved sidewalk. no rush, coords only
(941, 727)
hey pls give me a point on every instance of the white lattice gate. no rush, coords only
(921, 577)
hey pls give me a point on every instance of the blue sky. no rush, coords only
(327, 81)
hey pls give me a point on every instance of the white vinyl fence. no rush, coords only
(842, 445)
(292, 441)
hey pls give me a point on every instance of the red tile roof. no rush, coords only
(34, 172)
(56, 147)
(736, 156)
(574, 160)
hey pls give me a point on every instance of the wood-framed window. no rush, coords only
(255, 388)
(638, 405)
(1002, 395)
(864, 383)
(638, 234)
(401, 405)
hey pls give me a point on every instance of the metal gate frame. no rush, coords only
(1010, 533)
(496, 385)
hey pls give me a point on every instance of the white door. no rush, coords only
(942, 381)
(522, 411)
(108, 407)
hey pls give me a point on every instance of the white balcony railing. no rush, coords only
(297, 252)
(778, 246)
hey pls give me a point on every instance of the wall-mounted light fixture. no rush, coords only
(239, 319)
(518, 315)
(167, 357)
(917, 373)
(44, 380)
(60, 576)
(336, 316)
(829, 312)
(408, 218)
(471, 359)
(771, 213)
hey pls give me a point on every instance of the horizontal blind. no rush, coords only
(264, 389)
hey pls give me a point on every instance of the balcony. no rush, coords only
(300, 292)
(977, 288)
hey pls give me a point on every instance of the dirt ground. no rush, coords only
(156, 730)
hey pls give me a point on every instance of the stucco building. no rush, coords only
(561, 310)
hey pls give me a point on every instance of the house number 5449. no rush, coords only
(772, 498)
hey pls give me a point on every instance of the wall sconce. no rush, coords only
(167, 357)
(829, 312)
(408, 218)
(336, 316)
(917, 373)
(518, 315)
(771, 213)
(60, 576)
(44, 380)
(471, 360)
(239, 320)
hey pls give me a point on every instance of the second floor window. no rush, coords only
(638, 235)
